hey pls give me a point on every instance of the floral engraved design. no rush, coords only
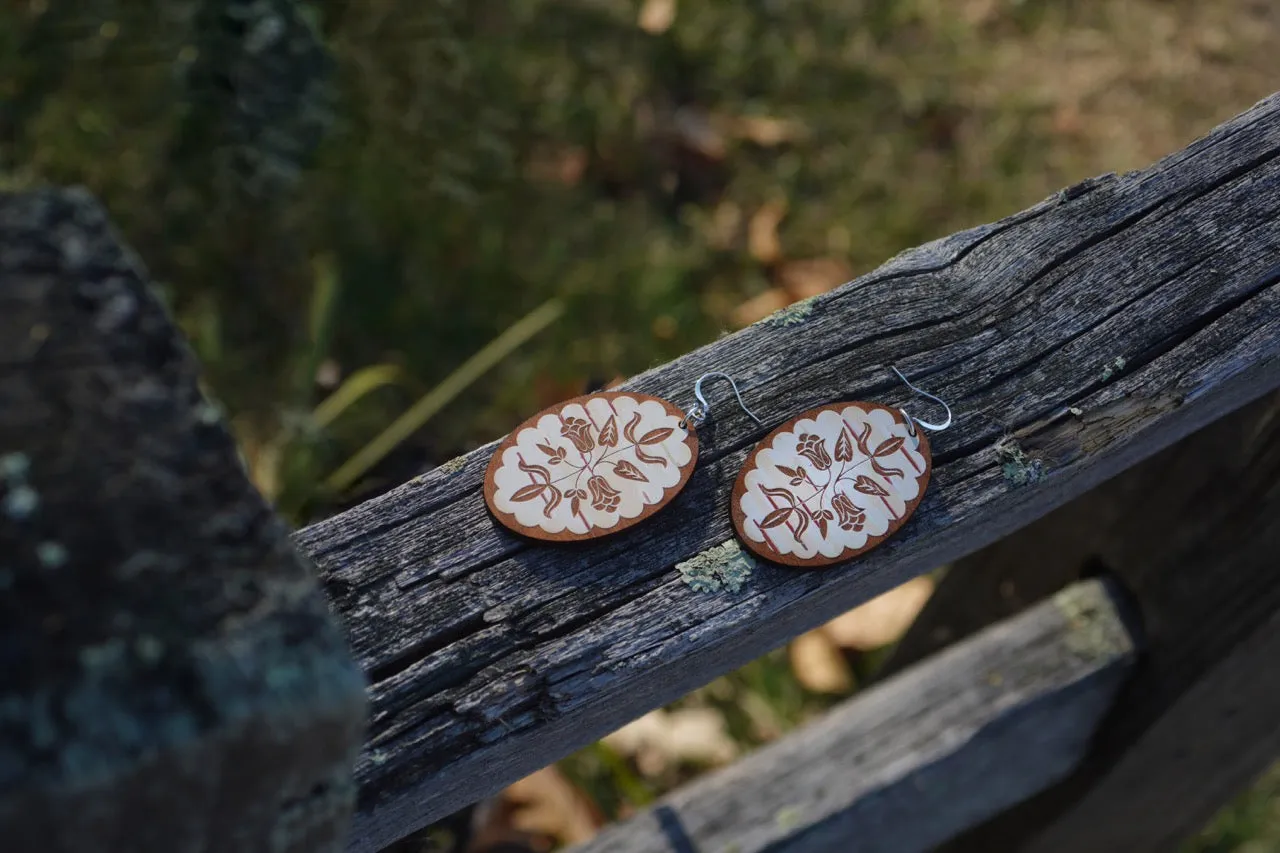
(831, 483)
(578, 430)
(628, 471)
(812, 448)
(591, 465)
(604, 497)
(609, 434)
(851, 517)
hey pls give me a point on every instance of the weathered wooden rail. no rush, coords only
(912, 762)
(1073, 341)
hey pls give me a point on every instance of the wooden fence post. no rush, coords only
(172, 679)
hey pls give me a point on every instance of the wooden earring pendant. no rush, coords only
(595, 465)
(833, 482)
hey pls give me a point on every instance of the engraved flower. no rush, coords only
(812, 448)
(604, 497)
(578, 430)
(851, 516)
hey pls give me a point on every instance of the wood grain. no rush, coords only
(490, 657)
(907, 764)
(172, 679)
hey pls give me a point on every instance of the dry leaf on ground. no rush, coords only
(762, 232)
(545, 805)
(663, 738)
(819, 664)
(766, 131)
(656, 15)
(809, 277)
(760, 306)
(695, 129)
(882, 620)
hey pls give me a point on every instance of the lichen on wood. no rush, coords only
(1019, 467)
(726, 566)
(794, 314)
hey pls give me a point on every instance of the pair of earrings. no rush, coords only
(824, 487)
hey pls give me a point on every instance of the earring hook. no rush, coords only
(698, 413)
(931, 427)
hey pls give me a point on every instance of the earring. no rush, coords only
(596, 464)
(834, 482)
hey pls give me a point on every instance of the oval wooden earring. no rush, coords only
(595, 465)
(833, 482)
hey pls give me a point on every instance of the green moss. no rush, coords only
(793, 314)
(21, 502)
(1096, 630)
(789, 817)
(14, 466)
(726, 566)
(453, 466)
(52, 555)
(1113, 367)
(1019, 467)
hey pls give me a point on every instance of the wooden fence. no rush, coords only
(1110, 488)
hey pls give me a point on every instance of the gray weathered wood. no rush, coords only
(1193, 533)
(1210, 743)
(490, 657)
(172, 679)
(911, 762)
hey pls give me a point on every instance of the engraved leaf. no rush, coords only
(555, 454)
(775, 518)
(780, 493)
(536, 470)
(630, 430)
(885, 471)
(553, 500)
(795, 481)
(820, 517)
(649, 458)
(574, 503)
(627, 471)
(529, 492)
(888, 447)
(868, 486)
(791, 472)
(864, 433)
(844, 447)
(802, 523)
(656, 436)
(609, 434)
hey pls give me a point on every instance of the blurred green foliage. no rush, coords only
(482, 157)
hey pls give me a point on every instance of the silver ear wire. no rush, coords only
(699, 411)
(911, 420)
